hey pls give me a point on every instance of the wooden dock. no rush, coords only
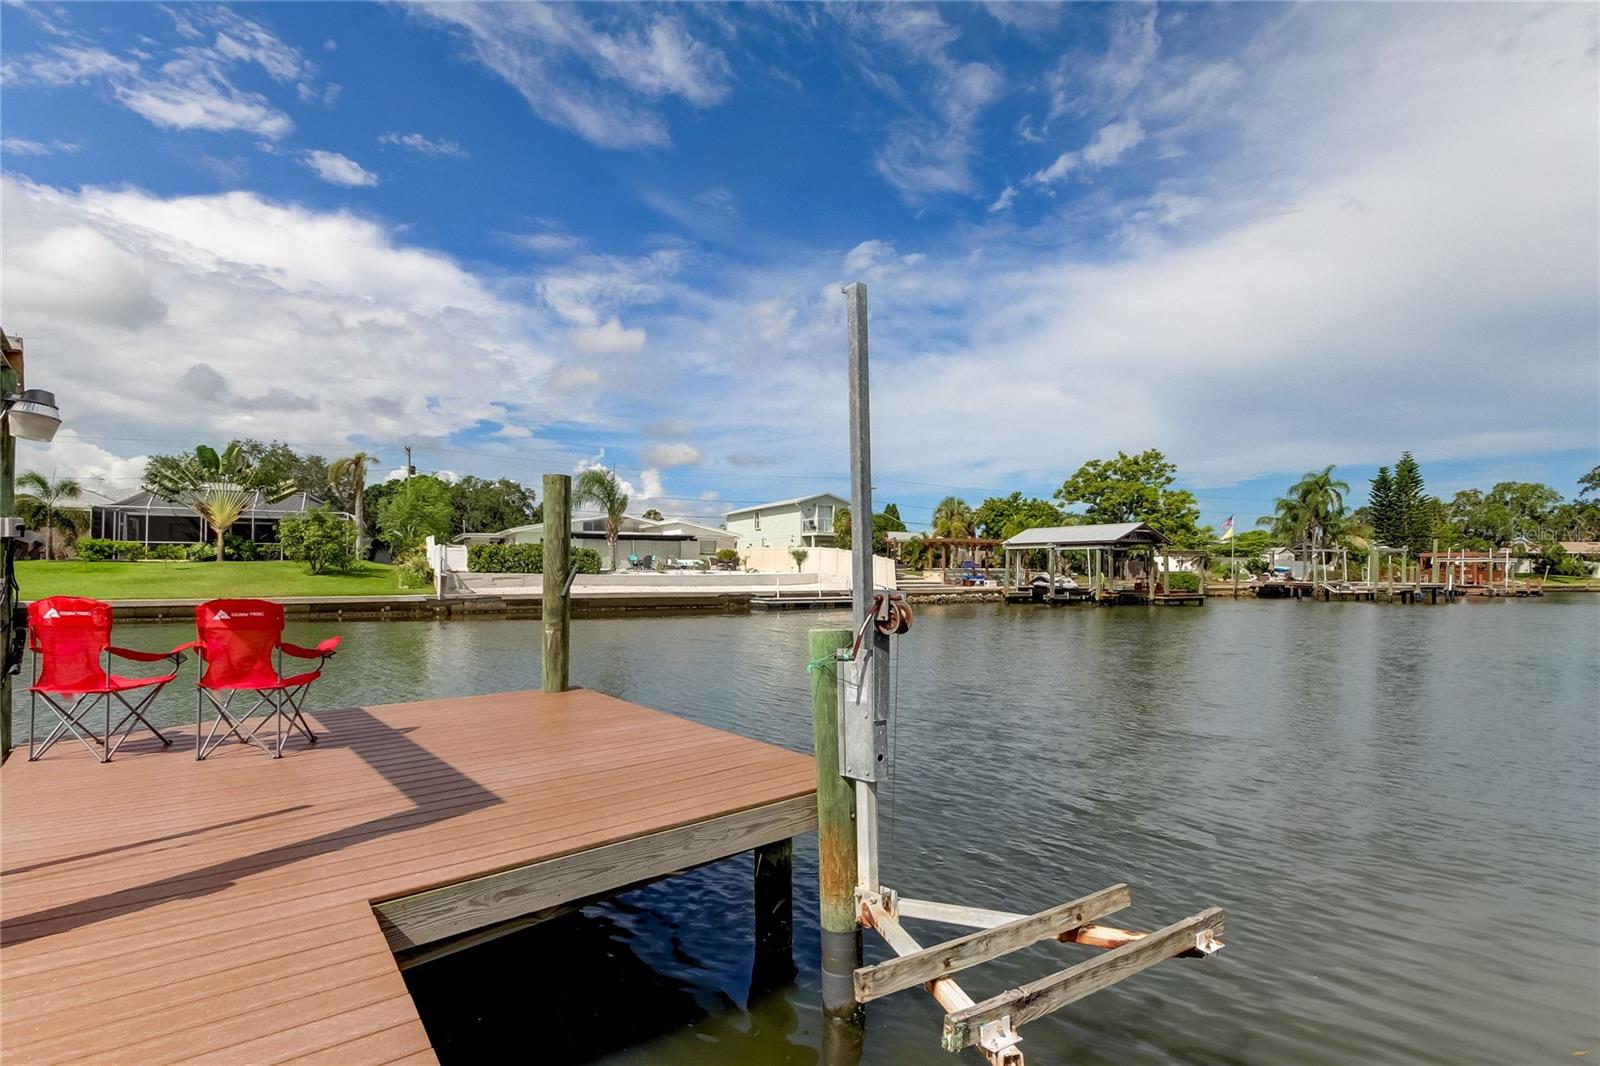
(245, 910)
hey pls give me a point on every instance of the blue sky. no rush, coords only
(523, 239)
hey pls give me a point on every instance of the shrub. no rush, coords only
(414, 571)
(168, 552)
(101, 550)
(799, 555)
(914, 553)
(324, 541)
(506, 558)
(524, 559)
(201, 552)
(240, 549)
(1182, 581)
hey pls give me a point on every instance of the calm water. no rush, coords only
(1397, 805)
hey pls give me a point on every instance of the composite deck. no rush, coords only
(158, 909)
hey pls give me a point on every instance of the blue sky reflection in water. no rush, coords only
(1398, 807)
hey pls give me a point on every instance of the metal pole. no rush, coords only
(10, 383)
(555, 605)
(875, 680)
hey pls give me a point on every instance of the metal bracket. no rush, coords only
(11, 529)
(997, 1037)
(863, 726)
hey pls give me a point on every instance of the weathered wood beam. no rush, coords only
(411, 921)
(999, 1041)
(953, 956)
(1105, 937)
(1038, 998)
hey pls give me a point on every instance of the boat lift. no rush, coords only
(863, 670)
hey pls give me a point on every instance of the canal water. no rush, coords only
(1398, 806)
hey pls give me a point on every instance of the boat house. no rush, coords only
(1119, 562)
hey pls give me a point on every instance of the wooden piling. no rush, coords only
(836, 832)
(774, 917)
(555, 606)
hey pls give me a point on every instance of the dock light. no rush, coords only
(32, 415)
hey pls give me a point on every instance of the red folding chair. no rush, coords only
(71, 640)
(241, 644)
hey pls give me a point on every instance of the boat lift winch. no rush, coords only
(863, 671)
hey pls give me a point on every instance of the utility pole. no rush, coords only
(411, 470)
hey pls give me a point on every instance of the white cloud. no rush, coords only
(1004, 200)
(680, 453)
(601, 83)
(418, 143)
(928, 153)
(337, 169)
(1109, 144)
(607, 338)
(191, 88)
(23, 146)
(307, 326)
(67, 65)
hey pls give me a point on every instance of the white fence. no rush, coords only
(826, 563)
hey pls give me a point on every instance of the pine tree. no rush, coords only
(1411, 511)
(1380, 506)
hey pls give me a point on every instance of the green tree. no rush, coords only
(1136, 488)
(218, 485)
(882, 525)
(1589, 482)
(799, 555)
(321, 539)
(892, 511)
(1313, 511)
(347, 479)
(484, 506)
(1381, 514)
(419, 507)
(999, 517)
(277, 462)
(600, 488)
(952, 518)
(654, 515)
(43, 503)
(888, 520)
(1410, 505)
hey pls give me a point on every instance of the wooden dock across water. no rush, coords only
(248, 910)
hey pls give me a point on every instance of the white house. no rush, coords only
(663, 539)
(803, 522)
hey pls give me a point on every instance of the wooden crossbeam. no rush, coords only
(1041, 997)
(953, 956)
(1093, 935)
(998, 1041)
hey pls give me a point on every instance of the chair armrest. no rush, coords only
(176, 654)
(321, 651)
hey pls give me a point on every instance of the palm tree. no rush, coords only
(1314, 506)
(43, 505)
(219, 486)
(952, 518)
(1313, 509)
(347, 478)
(600, 488)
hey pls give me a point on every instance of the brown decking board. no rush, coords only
(158, 909)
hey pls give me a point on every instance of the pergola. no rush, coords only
(945, 546)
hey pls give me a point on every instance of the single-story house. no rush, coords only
(1587, 550)
(148, 519)
(664, 539)
(801, 522)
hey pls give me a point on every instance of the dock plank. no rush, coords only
(149, 895)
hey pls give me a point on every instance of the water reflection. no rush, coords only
(1398, 806)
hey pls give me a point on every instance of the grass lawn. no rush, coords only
(189, 581)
